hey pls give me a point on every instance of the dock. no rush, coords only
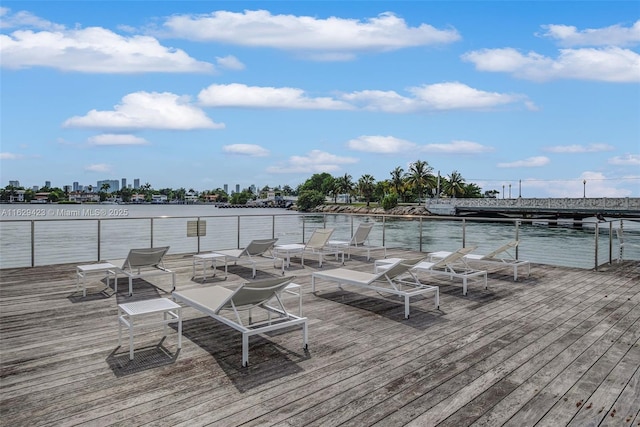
(560, 347)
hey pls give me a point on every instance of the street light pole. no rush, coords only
(584, 188)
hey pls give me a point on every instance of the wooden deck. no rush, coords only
(560, 347)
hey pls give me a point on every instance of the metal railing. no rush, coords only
(35, 242)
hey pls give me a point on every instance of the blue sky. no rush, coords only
(200, 94)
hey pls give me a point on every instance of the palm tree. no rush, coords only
(397, 178)
(454, 186)
(345, 185)
(420, 177)
(366, 184)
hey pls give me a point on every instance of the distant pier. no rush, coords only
(576, 208)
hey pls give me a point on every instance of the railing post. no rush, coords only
(273, 226)
(420, 234)
(33, 243)
(517, 237)
(596, 249)
(198, 232)
(611, 241)
(99, 240)
(464, 232)
(384, 228)
(238, 236)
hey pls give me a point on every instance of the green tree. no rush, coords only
(420, 177)
(397, 179)
(309, 199)
(366, 185)
(345, 186)
(472, 191)
(454, 185)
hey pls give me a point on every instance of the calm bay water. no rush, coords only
(87, 233)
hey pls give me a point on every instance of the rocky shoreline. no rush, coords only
(350, 209)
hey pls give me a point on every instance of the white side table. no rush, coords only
(129, 311)
(203, 259)
(285, 251)
(383, 264)
(83, 270)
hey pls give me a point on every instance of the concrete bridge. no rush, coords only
(576, 208)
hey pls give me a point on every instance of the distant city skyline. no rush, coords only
(542, 94)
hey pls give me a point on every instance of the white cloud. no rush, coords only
(229, 62)
(315, 161)
(435, 97)
(531, 162)
(457, 147)
(98, 167)
(380, 144)
(116, 139)
(23, 19)
(332, 38)
(89, 50)
(610, 64)
(147, 110)
(615, 35)
(10, 156)
(250, 150)
(626, 160)
(576, 148)
(240, 95)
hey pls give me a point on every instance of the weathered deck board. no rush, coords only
(518, 353)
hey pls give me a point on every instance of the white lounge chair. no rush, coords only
(501, 257)
(396, 279)
(216, 300)
(315, 246)
(359, 241)
(453, 265)
(257, 252)
(140, 263)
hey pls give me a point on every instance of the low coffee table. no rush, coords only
(83, 270)
(203, 259)
(128, 312)
(285, 251)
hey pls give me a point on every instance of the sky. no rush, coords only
(542, 96)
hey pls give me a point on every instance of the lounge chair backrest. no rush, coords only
(146, 257)
(398, 269)
(251, 294)
(454, 257)
(259, 247)
(319, 238)
(504, 248)
(362, 233)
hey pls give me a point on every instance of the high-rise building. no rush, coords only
(76, 186)
(226, 188)
(47, 184)
(136, 183)
(237, 188)
(124, 183)
(14, 183)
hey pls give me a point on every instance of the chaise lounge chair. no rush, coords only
(500, 258)
(257, 252)
(453, 265)
(215, 300)
(142, 263)
(359, 241)
(315, 246)
(397, 279)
